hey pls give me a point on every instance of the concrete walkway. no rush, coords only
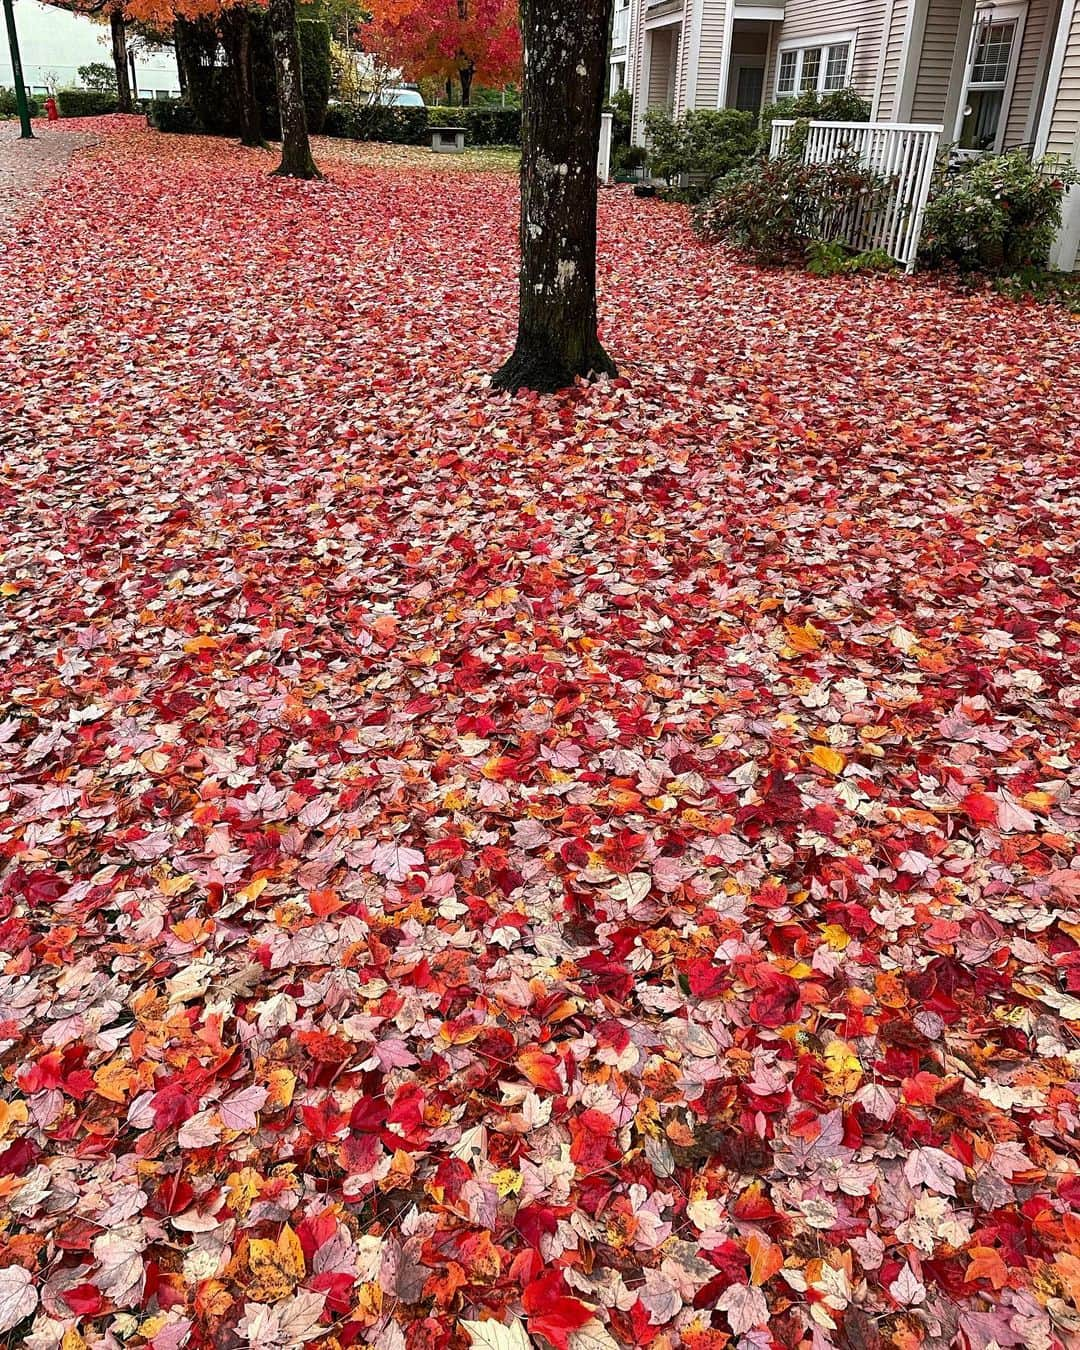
(28, 168)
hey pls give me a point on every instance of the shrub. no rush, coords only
(85, 102)
(701, 146)
(773, 208)
(621, 108)
(99, 75)
(372, 122)
(9, 108)
(833, 259)
(994, 214)
(409, 126)
(173, 115)
(841, 105)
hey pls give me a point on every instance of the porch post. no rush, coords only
(910, 57)
(959, 68)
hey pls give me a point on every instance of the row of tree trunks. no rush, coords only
(565, 65)
(125, 97)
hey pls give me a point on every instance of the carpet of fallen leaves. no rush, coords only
(579, 872)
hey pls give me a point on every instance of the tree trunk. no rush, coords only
(237, 32)
(565, 66)
(182, 47)
(466, 76)
(120, 61)
(449, 92)
(296, 160)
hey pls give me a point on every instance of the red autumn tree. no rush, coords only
(447, 39)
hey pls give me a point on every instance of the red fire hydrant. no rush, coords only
(51, 109)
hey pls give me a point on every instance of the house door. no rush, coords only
(746, 83)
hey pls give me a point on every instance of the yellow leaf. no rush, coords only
(243, 1187)
(832, 761)
(176, 885)
(114, 1081)
(506, 1182)
(252, 890)
(835, 937)
(843, 1071)
(280, 1086)
(72, 1340)
(806, 639)
(12, 1113)
(276, 1267)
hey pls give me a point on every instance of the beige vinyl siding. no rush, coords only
(1039, 15)
(712, 54)
(682, 56)
(810, 19)
(1065, 120)
(936, 62)
(659, 63)
(894, 51)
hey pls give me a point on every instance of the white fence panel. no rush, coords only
(902, 154)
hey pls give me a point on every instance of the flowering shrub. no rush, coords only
(773, 208)
(994, 214)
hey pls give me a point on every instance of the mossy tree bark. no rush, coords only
(296, 160)
(118, 35)
(565, 69)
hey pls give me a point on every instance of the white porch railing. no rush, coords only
(603, 159)
(902, 154)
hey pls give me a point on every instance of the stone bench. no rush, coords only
(448, 140)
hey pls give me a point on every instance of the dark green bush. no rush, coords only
(409, 126)
(700, 147)
(774, 208)
(85, 102)
(841, 105)
(174, 115)
(994, 214)
(315, 70)
(9, 108)
(372, 122)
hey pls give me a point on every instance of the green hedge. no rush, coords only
(9, 108)
(175, 115)
(402, 126)
(86, 102)
(410, 126)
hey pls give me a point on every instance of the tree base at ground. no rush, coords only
(535, 364)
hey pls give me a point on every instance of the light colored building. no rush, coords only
(54, 43)
(996, 76)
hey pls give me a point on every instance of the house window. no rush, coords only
(815, 68)
(995, 46)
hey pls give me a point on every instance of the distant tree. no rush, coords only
(565, 69)
(447, 39)
(112, 12)
(98, 75)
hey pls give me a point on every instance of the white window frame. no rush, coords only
(801, 45)
(990, 14)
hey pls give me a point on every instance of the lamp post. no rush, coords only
(27, 133)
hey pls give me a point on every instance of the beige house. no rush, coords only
(995, 76)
